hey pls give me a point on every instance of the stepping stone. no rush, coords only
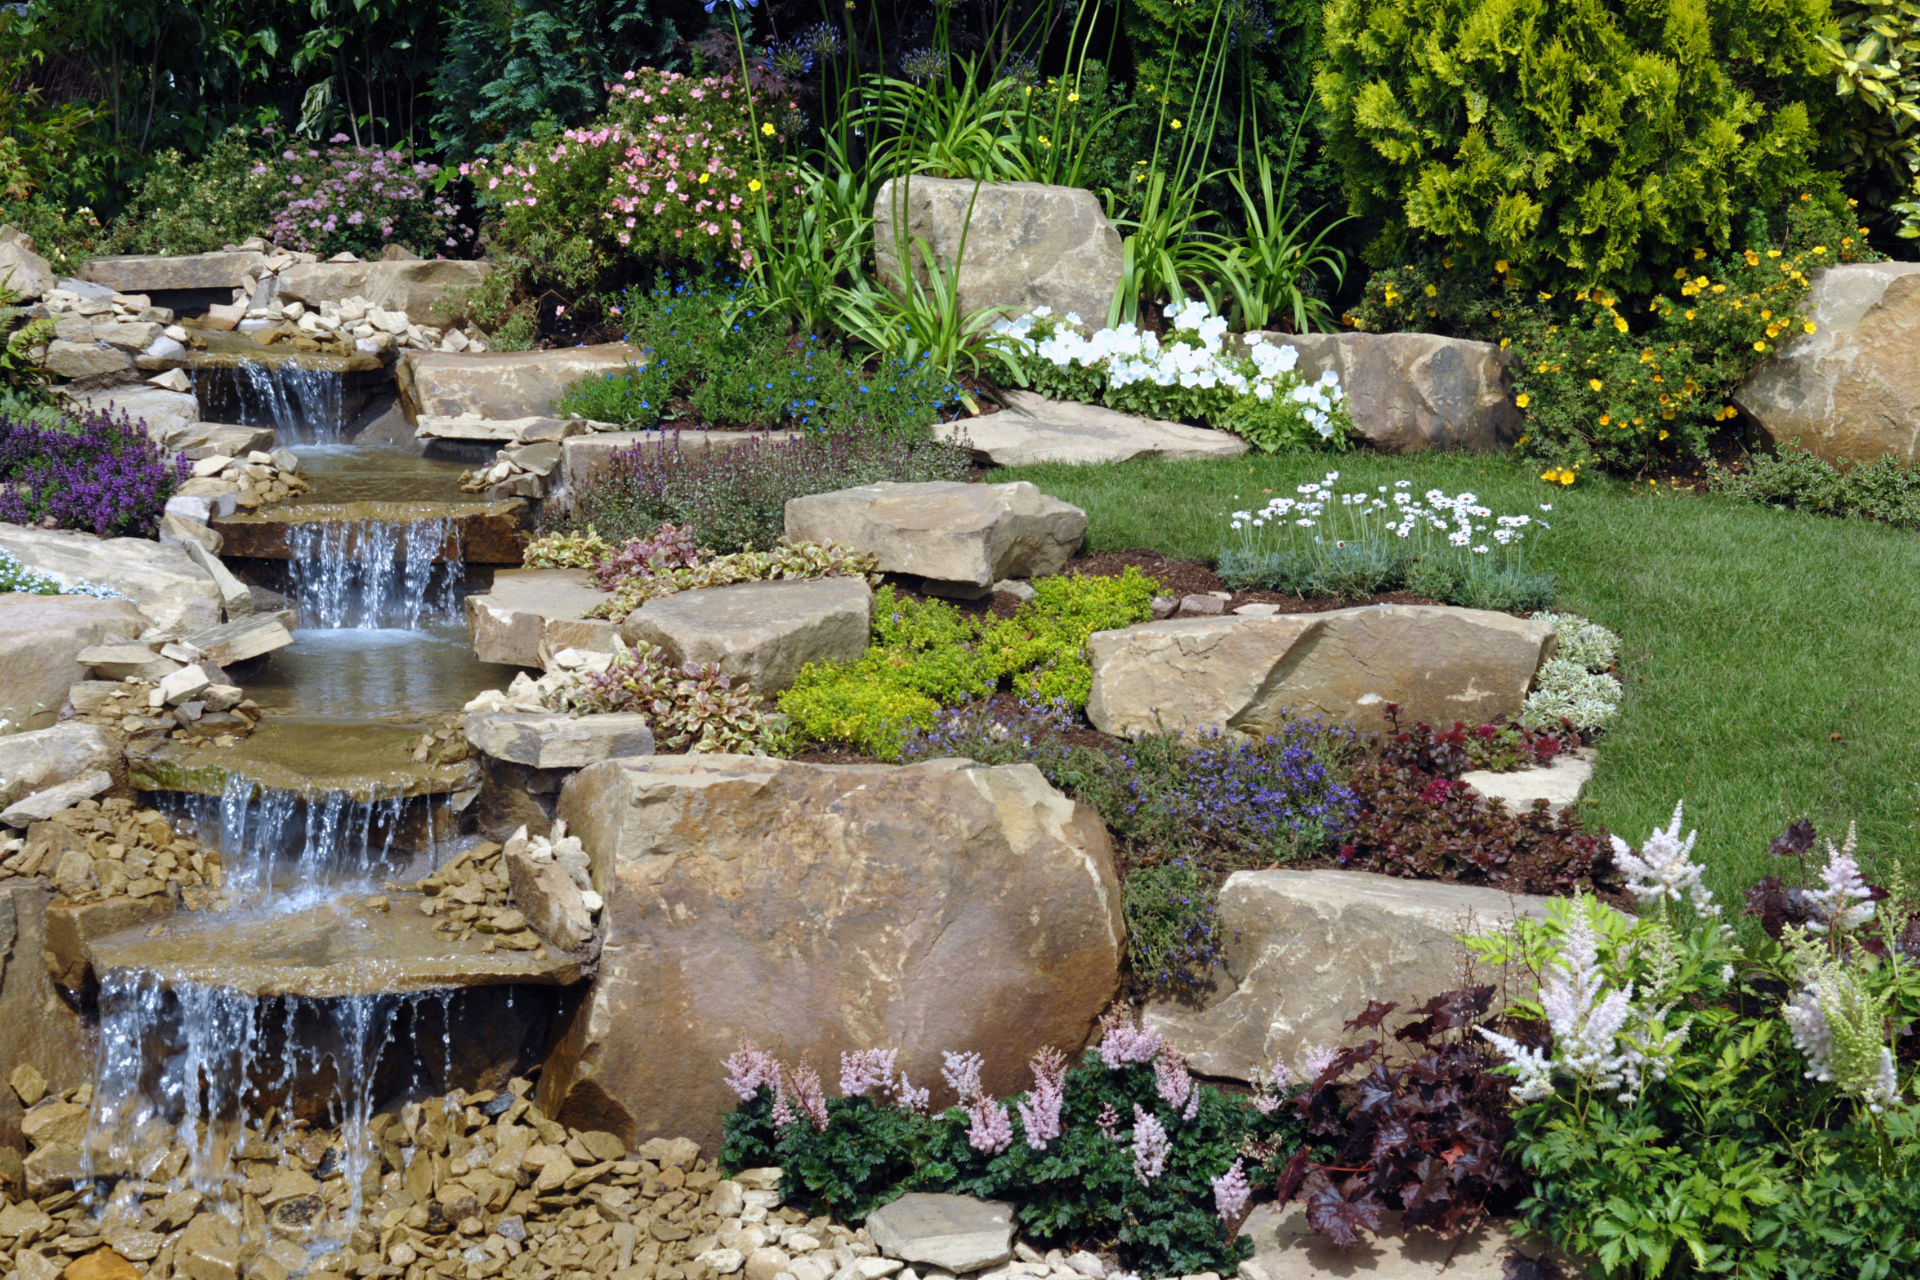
(1034, 429)
(532, 613)
(955, 1233)
(760, 632)
(960, 537)
(1287, 1248)
(1559, 783)
(558, 741)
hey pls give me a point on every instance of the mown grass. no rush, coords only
(1771, 659)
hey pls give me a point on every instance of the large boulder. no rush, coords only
(501, 384)
(969, 536)
(23, 272)
(1027, 244)
(41, 638)
(817, 909)
(1413, 391)
(171, 273)
(1439, 663)
(530, 614)
(1032, 428)
(168, 415)
(1304, 951)
(759, 632)
(1851, 388)
(85, 359)
(43, 758)
(433, 291)
(162, 580)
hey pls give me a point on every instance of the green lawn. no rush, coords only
(1752, 637)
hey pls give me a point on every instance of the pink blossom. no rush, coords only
(1109, 1121)
(1125, 1044)
(866, 1069)
(1230, 1192)
(1150, 1147)
(908, 1098)
(750, 1068)
(992, 1129)
(1171, 1079)
(962, 1073)
(1040, 1110)
(811, 1097)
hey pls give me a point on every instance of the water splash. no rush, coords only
(305, 406)
(371, 574)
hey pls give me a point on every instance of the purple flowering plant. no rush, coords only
(349, 199)
(1124, 1147)
(99, 472)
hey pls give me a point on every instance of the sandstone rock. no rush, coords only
(558, 741)
(1306, 950)
(44, 803)
(37, 1027)
(130, 659)
(505, 384)
(249, 637)
(48, 1170)
(546, 894)
(1027, 244)
(1559, 783)
(1439, 663)
(41, 638)
(53, 1122)
(969, 534)
(487, 532)
(22, 271)
(78, 360)
(760, 632)
(167, 273)
(44, 758)
(529, 614)
(423, 288)
(236, 602)
(817, 908)
(132, 337)
(162, 581)
(1414, 391)
(955, 1233)
(164, 412)
(29, 1086)
(1032, 428)
(1850, 389)
(24, 1217)
(181, 532)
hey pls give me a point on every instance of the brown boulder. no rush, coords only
(501, 384)
(40, 640)
(430, 291)
(1413, 391)
(166, 273)
(818, 909)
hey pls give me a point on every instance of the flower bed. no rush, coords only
(100, 473)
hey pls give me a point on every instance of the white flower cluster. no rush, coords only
(1836, 1024)
(1600, 1037)
(15, 576)
(1664, 869)
(1575, 684)
(1341, 518)
(1844, 901)
(1194, 358)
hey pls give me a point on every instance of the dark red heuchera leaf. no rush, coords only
(1376, 1013)
(1292, 1174)
(1334, 1215)
(1794, 841)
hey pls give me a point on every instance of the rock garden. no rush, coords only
(994, 642)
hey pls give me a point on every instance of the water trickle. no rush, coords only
(305, 406)
(372, 574)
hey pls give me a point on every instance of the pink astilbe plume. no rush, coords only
(865, 1070)
(1270, 1085)
(811, 1098)
(1150, 1147)
(908, 1098)
(1109, 1121)
(1230, 1192)
(962, 1073)
(1040, 1110)
(782, 1105)
(1175, 1085)
(1319, 1057)
(992, 1129)
(750, 1068)
(1125, 1044)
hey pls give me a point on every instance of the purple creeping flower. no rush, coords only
(98, 472)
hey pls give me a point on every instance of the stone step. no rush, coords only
(1559, 783)
(364, 760)
(531, 614)
(489, 533)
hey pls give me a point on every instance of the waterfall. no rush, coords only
(306, 406)
(375, 573)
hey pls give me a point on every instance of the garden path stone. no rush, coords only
(162, 581)
(969, 535)
(824, 908)
(1413, 391)
(1027, 244)
(760, 632)
(1032, 429)
(1439, 663)
(420, 287)
(955, 1233)
(23, 271)
(43, 758)
(1559, 783)
(1305, 950)
(1850, 389)
(41, 638)
(501, 384)
(558, 741)
(529, 614)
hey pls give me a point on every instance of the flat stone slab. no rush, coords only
(162, 581)
(308, 755)
(484, 532)
(582, 455)
(41, 639)
(972, 535)
(164, 273)
(245, 638)
(1305, 950)
(340, 948)
(533, 613)
(501, 384)
(955, 1233)
(1559, 783)
(199, 440)
(165, 413)
(43, 804)
(1438, 662)
(1034, 429)
(502, 431)
(43, 758)
(558, 741)
(760, 632)
(1287, 1248)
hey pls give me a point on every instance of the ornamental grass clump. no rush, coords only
(1124, 1146)
(99, 472)
(1355, 544)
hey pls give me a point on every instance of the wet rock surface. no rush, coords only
(477, 532)
(312, 755)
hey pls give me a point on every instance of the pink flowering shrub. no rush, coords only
(337, 199)
(1125, 1146)
(670, 173)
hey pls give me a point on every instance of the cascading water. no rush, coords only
(375, 574)
(304, 406)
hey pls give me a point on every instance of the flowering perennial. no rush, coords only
(1150, 1147)
(1664, 871)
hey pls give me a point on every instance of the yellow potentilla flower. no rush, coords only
(1620, 323)
(1447, 263)
(1689, 315)
(1593, 384)
(1501, 266)
(767, 128)
(1663, 435)
(1773, 253)
(1567, 477)
(1766, 315)
(754, 185)
(703, 177)
(1699, 254)
(1175, 123)
(1073, 97)
(1759, 346)
(1753, 259)
(1719, 288)
(1811, 326)
(1606, 419)
(1543, 367)
(1523, 400)
(1432, 292)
